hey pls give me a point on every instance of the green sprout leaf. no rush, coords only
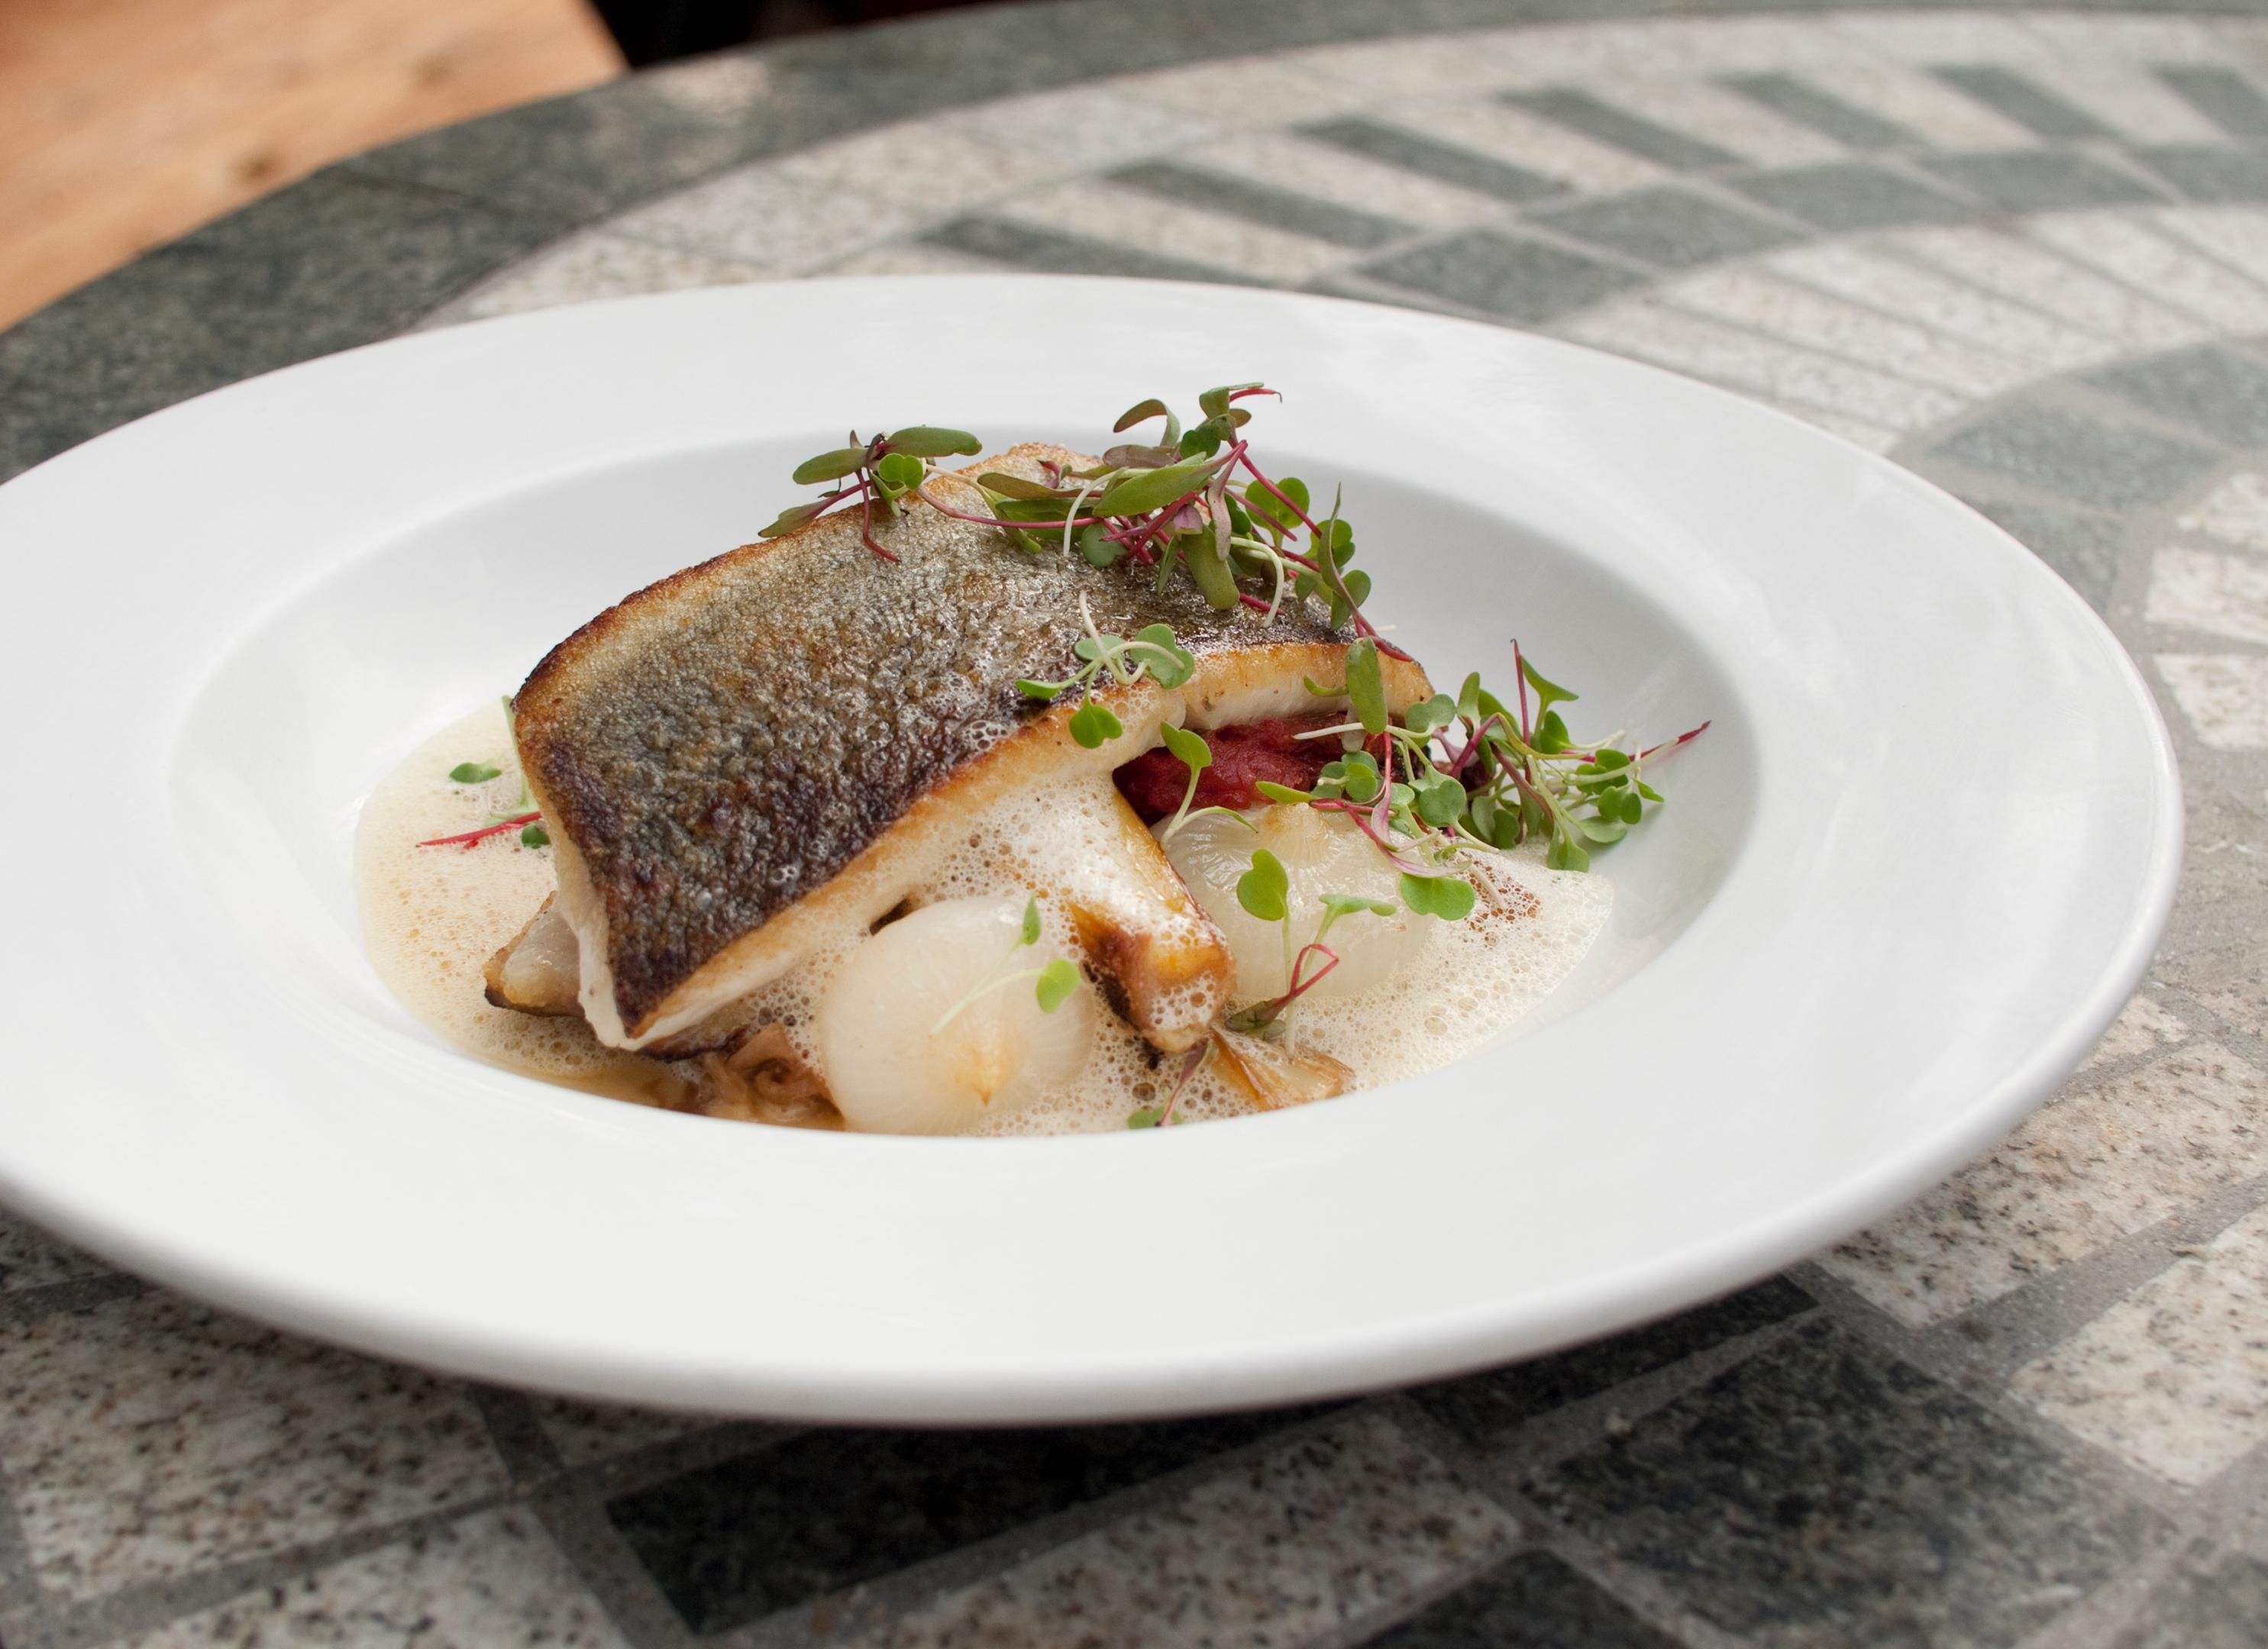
(1448, 897)
(1440, 798)
(1041, 690)
(1092, 726)
(790, 519)
(1281, 793)
(1337, 905)
(1214, 402)
(536, 836)
(1434, 714)
(1263, 890)
(1565, 855)
(843, 460)
(1211, 571)
(1149, 1115)
(1366, 688)
(1030, 930)
(1016, 487)
(901, 471)
(1056, 981)
(1141, 412)
(1151, 489)
(1355, 774)
(926, 441)
(1189, 748)
(1547, 693)
(1102, 551)
(473, 773)
(1169, 663)
(1265, 505)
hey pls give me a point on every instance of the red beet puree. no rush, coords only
(1242, 756)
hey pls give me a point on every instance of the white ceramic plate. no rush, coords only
(1900, 887)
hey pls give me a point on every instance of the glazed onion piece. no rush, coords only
(890, 1070)
(1324, 854)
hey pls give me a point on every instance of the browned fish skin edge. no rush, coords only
(627, 840)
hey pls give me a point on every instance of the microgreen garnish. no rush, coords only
(522, 816)
(1092, 724)
(1265, 890)
(1057, 980)
(1316, 959)
(472, 838)
(1448, 897)
(1193, 753)
(1155, 1116)
(1054, 982)
(878, 474)
(1152, 653)
(1451, 776)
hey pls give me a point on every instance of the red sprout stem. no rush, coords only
(866, 520)
(1682, 738)
(1301, 987)
(1267, 1012)
(474, 838)
(1473, 748)
(1362, 822)
(1305, 520)
(1519, 685)
(1188, 1069)
(1013, 527)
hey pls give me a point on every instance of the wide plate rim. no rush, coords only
(1131, 1387)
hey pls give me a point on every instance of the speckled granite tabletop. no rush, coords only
(2024, 251)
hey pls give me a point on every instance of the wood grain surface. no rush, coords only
(126, 122)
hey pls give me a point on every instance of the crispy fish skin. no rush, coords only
(730, 740)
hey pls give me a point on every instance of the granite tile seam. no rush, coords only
(958, 1561)
(1981, 1382)
(622, 222)
(64, 1623)
(1379, 1624)
(1827, 1490)
(491, 1577)
(610, 1476)
(529, 1457)
(2240, 1039)
(991, 57)
(1560, 1430)
(80, 1293)
(1299, 1541)
(1994, 1339)
(19, 1587)
(2168, 1377)
(1100, 1541)
(576, 1523)
(1640, 1592)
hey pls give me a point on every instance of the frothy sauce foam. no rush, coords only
(433, 916)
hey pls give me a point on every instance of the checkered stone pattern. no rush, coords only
(2024, 253)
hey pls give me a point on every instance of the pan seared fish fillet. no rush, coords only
(734, 758)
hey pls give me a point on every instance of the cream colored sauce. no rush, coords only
(433, 916)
